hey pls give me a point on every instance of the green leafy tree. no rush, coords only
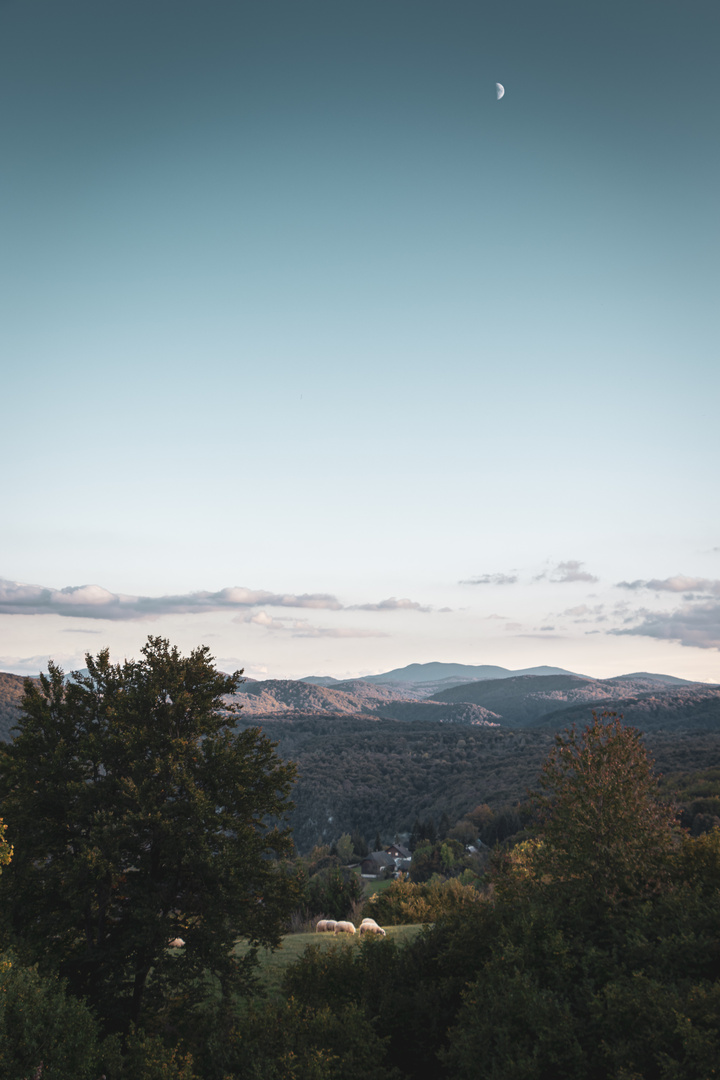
(436, 858)
(333, 892)
(140, 816)
(43, 1031)
(292, 1041)
(607, 836)
(345, 848)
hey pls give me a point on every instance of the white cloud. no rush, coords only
(583, 613)
(568, 572)
(261, 618)
(95, 602)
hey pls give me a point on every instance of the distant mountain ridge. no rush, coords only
(437, 671)
(553, 699)
(522, 701)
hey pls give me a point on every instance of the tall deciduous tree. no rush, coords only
(138, 815)
(606, 833)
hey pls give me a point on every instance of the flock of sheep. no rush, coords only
(367, 926)
(324, 926)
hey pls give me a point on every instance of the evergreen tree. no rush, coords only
(429, 832)
(360, 845)
(416, 836)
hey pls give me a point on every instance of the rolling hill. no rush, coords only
(555, 702)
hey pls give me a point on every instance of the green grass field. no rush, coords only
(273, 964)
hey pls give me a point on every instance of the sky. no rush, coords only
(317, 353)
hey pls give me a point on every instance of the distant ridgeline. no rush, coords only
(551, 701)
(374, 755)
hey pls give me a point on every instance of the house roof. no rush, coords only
(379, 858)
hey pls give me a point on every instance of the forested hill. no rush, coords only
(558, 700)
(370, 775)
(376, 776)
(289, 695)
(287, 698)
(678, 709)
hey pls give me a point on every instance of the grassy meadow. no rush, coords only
(274, 964)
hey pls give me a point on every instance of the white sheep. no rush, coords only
(369, 926)
(176, 943)
(325, 926)
(344, 928)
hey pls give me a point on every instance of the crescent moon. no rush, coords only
(500, 90)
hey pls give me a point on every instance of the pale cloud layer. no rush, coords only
(694, 625)
(492, 579)
(95, 602)
(302, 628)
(569, 572)
(561, 573)
(391, 604)
(680, 583)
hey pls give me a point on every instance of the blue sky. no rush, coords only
(291, 304)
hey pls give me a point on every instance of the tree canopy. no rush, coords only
(138, 816)
(606, 832)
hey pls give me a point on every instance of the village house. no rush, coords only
(388, 863)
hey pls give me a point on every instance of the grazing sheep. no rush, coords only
(344, 928)
(325, 926)
(369, 926)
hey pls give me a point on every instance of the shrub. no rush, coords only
(406, 902)
(42, 1028)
